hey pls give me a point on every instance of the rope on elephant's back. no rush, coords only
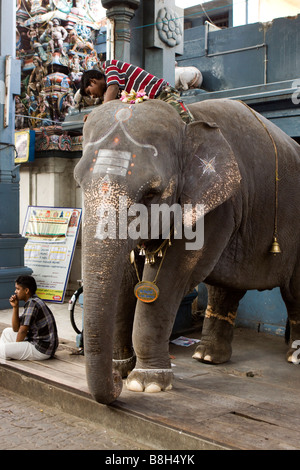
(275, 232)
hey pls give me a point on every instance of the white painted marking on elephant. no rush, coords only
(127, 135)
(114, 162)
(137, 143)
(123, 114)
(208, 165)
(141, 189)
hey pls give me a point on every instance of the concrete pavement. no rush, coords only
(26, 424)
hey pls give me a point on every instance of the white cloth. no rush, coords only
(22, 351)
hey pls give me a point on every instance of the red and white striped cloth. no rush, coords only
(130, 77)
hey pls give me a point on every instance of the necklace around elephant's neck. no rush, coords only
(151, 254)
(147, 291)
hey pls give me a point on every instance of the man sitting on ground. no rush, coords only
(33, 335)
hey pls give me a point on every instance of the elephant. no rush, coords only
(242, 171)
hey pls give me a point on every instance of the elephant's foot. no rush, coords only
(213, 353)
(124, 366)
(217, 331)
(216, 338)
(150, 380)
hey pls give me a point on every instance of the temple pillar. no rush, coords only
(163, 38)
(11, 242)
(152, 39)
(121, 13)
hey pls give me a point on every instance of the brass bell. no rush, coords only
(160, 254)
(147, 260)
(152, 259)
(142, 252)
(275, 248)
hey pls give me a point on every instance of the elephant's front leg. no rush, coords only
(217, 331)
(152, 328)
(151, 332)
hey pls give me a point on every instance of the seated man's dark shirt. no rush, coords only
(42, 326)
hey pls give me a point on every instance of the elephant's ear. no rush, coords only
(211, 175)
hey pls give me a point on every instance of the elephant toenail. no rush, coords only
(207, 358)
(134, 386)
(197, 355)
(152, 388)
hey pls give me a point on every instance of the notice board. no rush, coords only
(52, 234)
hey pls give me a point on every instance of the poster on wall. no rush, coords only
(52, 234)
(24, 146)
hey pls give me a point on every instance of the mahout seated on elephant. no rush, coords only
(242, 171)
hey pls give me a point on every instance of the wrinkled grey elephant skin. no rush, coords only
(224, 161)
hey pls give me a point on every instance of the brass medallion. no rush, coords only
(146, 291)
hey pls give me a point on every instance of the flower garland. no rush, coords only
(133, 97)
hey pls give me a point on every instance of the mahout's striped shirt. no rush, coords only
(131, 77)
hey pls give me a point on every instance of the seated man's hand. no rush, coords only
(13, 300)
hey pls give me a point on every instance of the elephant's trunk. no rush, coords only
(102, 279)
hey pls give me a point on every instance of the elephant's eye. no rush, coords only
(150, 197)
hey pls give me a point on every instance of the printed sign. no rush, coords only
(25, 146)
(52, 234)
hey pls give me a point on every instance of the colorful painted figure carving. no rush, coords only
(58, 35)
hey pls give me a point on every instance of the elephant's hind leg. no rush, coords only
(217, 332)
(293, 309)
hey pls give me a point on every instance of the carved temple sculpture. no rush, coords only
(56, 42)
(58, 39)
